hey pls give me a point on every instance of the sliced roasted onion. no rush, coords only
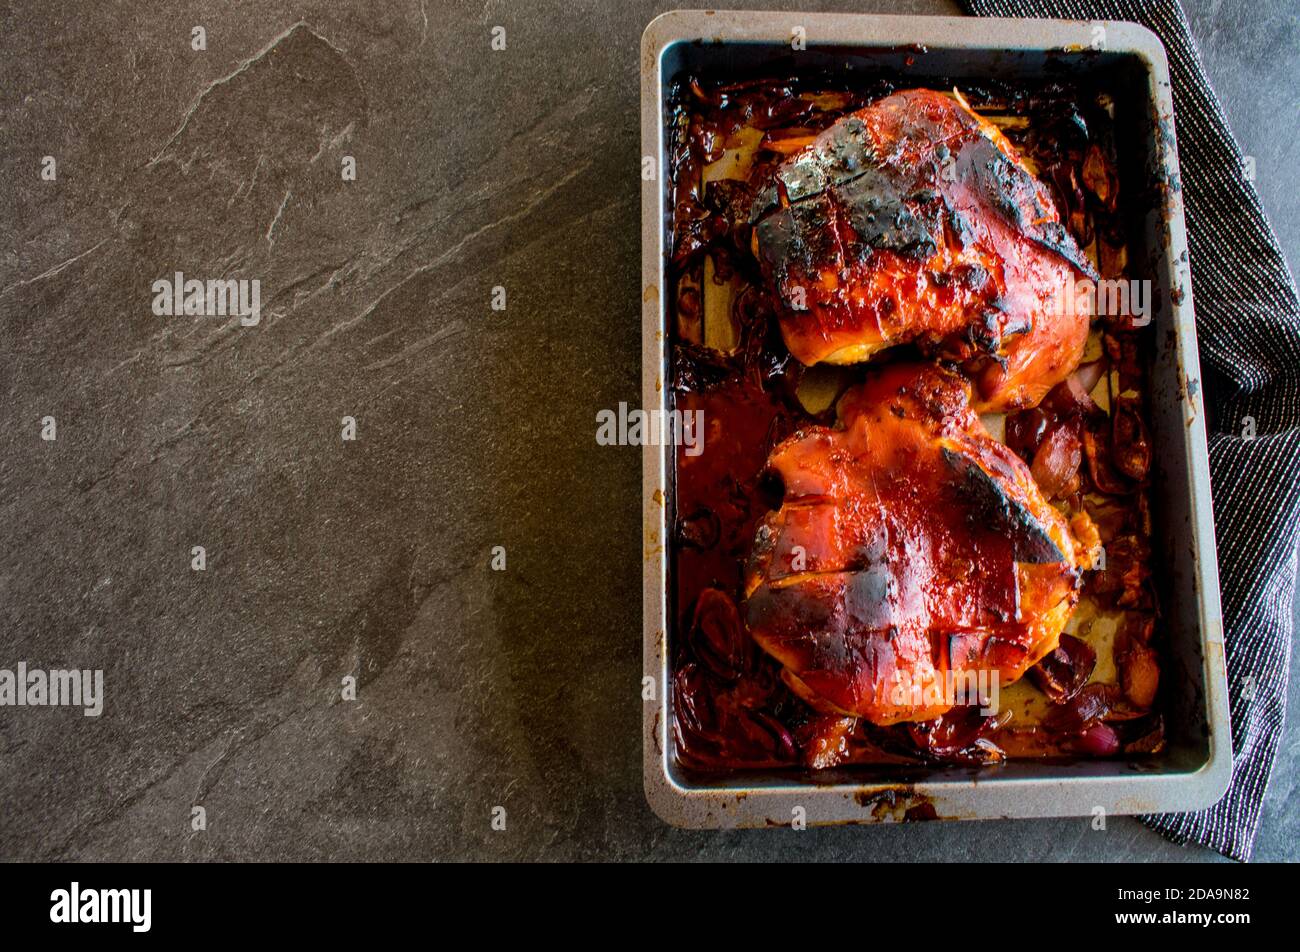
(1099, 740)
(699, 530)
(1130, 448)
(717, 636)
(1086, 377)
(1057, 460)
(1087, 707)
(1063, 673)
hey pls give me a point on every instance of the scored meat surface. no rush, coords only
(909, 543)
(914, 220)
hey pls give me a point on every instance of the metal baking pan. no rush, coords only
(1194, 769)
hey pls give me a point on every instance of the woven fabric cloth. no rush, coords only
(1248, 327)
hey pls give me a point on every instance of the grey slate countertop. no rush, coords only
(371, 558)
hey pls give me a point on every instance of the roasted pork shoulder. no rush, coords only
(915, 221)
(909, 544)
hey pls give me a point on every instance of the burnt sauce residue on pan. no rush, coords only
(1086, 443)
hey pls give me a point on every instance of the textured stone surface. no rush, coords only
(477, 688)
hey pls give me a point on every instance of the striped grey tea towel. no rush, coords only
(1248, 325)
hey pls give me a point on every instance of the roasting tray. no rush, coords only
(1193, 770)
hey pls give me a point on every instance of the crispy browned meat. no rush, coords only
(909, 544)
(914, 220)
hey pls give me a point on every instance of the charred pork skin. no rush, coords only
(915, 221)
(909, 544)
